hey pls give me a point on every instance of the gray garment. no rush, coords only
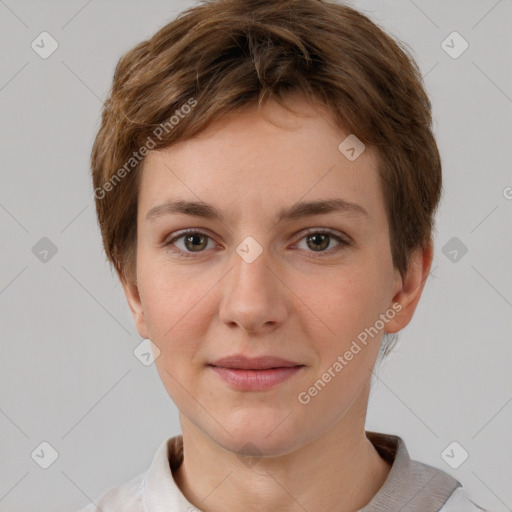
(411, 486)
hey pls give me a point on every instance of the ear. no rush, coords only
(408, 289)
(131, 291)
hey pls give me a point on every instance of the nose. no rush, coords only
(254, 298)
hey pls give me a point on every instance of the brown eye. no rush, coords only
(318, 241)
(196, 242)
(189, 242)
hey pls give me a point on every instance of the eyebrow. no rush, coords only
(297, 211)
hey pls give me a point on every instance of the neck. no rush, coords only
(340, 470)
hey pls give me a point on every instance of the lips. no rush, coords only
(244, 373)
(241, 362)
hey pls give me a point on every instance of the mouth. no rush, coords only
(242, 362)
(256, 380)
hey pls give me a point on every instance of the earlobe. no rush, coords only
(410, 288)
(131, 291)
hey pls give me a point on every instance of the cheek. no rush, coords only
(171, 304)
(351, 308)
(173, 315)
(353, 300)
(346, 353)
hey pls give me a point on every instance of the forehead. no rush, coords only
(261, 160)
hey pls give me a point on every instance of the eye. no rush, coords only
(191, 242)
(320, 240)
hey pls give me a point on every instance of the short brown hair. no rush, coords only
(227, 54)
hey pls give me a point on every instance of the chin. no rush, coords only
(260, 437)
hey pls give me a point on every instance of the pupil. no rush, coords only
(324, 240)
(193, 238)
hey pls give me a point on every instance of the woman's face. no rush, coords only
(252, 281)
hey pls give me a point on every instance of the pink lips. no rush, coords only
(254, 374)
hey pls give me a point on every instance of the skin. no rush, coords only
(286, 303)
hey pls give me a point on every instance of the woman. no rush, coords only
(266, 179)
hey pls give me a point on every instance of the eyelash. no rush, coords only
(188, 254)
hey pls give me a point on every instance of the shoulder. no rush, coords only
(126, 498)
(459, 502)
(414, 485)
(145, 488)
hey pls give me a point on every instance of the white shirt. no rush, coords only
(411, 486)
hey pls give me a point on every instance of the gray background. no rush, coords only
(68, 373)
